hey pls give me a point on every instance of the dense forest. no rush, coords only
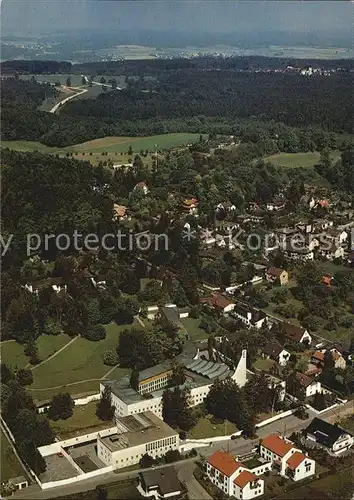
(157, 66)
(188, 98)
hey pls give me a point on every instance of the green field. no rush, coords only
(294, 160)
(84, 417)
(205, 428)
(116, 147)
(12, 354)
(192, 327)
(78, 368)
(49, 344)
(76, 80)
(9, 464)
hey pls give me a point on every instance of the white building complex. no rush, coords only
(200, 376)
(136, 436)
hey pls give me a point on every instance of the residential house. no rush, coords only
(160, 484)
(332, 252)
(219, 302)
(309, 385)
(119, 212)
(298, 253)
(273, 350)
(249, 316)
(232, 477)
(332, 437)
(190, 206)
(307, 201)
(338, 360)
(295, 333)
(277, 275)
(338, 236)
(141, 186)
(18, 483)
(226, 206)
(56, 284)
(287, 460)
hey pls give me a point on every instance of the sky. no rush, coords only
(35, 17)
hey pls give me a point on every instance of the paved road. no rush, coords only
(56, 107)
(195, 489)
(185, 468)
(34, 492)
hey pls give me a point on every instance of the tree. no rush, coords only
(105, 410)
(5, 374)
(24, 377)
(61, 407)
(83, 81)
(110, 357)
(130, 151)
(32, 352)
(101, 492)
(68, 82)
(175, 408)
(29, 453)
(102, 79)
(95, 333)
(172, 456)
(146, 461)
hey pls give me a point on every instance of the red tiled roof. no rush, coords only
(295, 460)
(304, 380)
(277, 445)
(318, 355)
(275, 271)
(292, 331)
(244, 478)
(217, 300)
(119, 210)
(224, 462)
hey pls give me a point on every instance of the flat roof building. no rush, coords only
(136, 436)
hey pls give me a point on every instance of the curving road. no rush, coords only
(56, 107)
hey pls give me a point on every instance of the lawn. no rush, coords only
(84, 417)
(10, 466)
(293, 160)
(12, 354)
(78, 368)
(192, 327)
(205, 428)
(263, 364)
(49, 344)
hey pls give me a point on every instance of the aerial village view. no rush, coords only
(177, 250)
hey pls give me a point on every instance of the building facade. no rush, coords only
(135, 437)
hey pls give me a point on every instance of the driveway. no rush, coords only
(195, 489)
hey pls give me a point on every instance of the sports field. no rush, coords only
(294, 160)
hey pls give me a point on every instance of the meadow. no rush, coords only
(294, 160)
(9, 465)
(76, 79)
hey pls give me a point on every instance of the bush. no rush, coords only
(183, 435)
(95, 333)
(111, 357)
(172, 456)
(194, 312)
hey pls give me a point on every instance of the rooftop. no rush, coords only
(224, 462)
(305, 380)
(137, 429)
(154, 371)
(325, 433)
(275, 271)
(295, 460)
(277, 444)
(244, 478)
(165, 479)
(292, 331)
